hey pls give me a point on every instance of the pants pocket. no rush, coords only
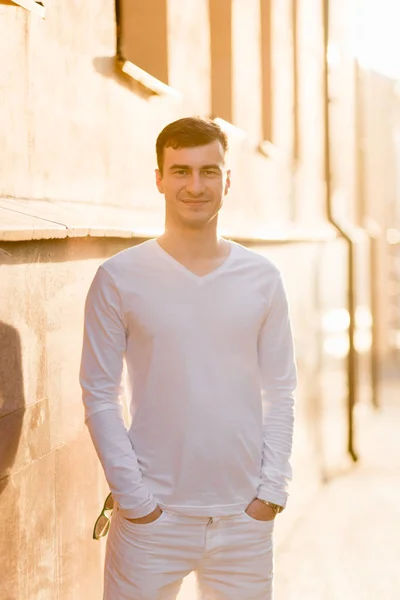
(142, 527)
(257, 522)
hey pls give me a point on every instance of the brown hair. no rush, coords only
(187, 133)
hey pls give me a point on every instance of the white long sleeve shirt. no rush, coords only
(210, 381)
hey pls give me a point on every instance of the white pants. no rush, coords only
(232, 557)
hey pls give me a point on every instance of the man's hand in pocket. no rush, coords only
(260, 511)
(153, 516)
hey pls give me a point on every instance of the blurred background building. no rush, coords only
(308, 92)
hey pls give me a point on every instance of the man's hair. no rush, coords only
(188, 133)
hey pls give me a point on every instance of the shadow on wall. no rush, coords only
(12, 400)
(110, 68)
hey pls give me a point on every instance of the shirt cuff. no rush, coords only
(136, 513)
(271, 495)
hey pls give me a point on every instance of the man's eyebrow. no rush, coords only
(214, 166)
(176, 166)
(188, 167)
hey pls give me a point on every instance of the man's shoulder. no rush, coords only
(130, 258)
(255, 259)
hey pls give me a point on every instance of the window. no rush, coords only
(142, 43)
(142, 35)
(266, 70)
(36, 7)
(272, 39)
(221, 59)
(296, 125)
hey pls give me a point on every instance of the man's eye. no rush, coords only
(180, 172)
(210, 173)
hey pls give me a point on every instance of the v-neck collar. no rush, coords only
(199, 278)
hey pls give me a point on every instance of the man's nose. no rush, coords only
(195, 186)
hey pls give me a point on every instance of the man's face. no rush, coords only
(194, 182)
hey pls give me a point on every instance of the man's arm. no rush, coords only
(278, 382)
(104, 344)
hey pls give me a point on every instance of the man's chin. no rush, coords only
(197, 222)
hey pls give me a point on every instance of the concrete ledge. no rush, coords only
(24, 220)
(150, 83)
(288, 235)
(30, 5)
(39, 233)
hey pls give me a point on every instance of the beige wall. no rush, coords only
(381, 192)
(362, 114)
(50, 482)
(74, 129)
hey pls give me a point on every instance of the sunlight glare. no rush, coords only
(376, 37)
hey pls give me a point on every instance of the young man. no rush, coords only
(202, 324)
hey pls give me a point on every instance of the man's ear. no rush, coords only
(159, 181)
(227, 182)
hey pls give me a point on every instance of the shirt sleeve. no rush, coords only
(104, 344)
(278, 383)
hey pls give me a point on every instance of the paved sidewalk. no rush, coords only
(347, 547)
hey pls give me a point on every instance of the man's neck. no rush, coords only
(193, 244)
